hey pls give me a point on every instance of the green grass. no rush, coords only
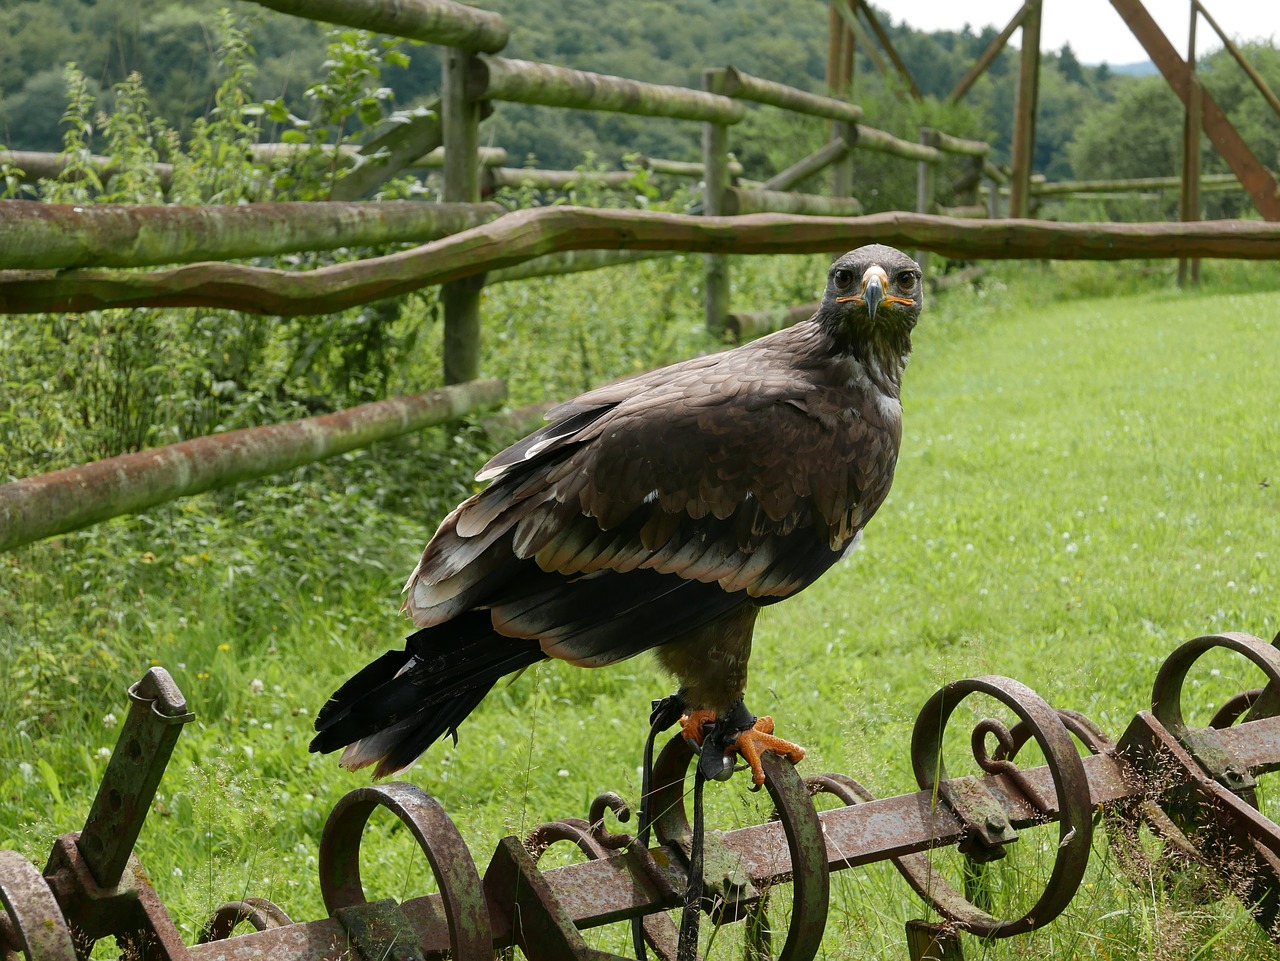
(1090, 475)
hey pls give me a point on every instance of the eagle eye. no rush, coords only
(843, 277)
(907, 281)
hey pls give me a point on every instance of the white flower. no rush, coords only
(257, 686)
(108, 720)
(104, 753)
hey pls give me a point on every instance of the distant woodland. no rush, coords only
(1093, 122)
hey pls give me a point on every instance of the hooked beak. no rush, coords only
(872, 295)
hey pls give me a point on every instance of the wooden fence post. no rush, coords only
(715, 162)
(1189, 200)
(1024, 120)
(925, 188)
(460, 298)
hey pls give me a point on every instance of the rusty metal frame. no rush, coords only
(1195, 788)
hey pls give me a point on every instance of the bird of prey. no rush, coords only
(659, 512)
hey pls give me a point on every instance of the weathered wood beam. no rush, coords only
(38, 235)
(993, 50)
(832, 151)
(523, 81)
(488, 157)
(38, 507)
(869, 138)
(715, 185)
(570, 262)
(748, 325)
(1207, 182)
(874, 22)
(444, 22)
(850, 18)
(738, 201)
(1257, 180)
(460, 299)
(1189, 195)
(685, 168)
(1022, 153)
(526, 234)
(1250, 71)
(391, 152)
(40, 165)
(493, 178)
(743, 86)
(958, 145)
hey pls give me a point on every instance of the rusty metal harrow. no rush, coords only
(1193, 788)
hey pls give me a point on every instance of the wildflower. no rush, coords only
(104, 753)
(108, 720)
(224, 647)
(256, 685)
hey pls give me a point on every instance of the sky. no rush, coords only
(1093, 28)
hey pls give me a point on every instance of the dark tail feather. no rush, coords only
(402, 703)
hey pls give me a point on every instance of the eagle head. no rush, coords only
(873, 298)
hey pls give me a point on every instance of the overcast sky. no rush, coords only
(1093, 28)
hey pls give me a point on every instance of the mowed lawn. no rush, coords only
(1084, 484)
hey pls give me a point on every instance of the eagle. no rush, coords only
(660, 512)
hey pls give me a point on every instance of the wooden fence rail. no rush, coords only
(526, 234)
(523, 81)
(38, 507)
(36, 235)
(444, 22)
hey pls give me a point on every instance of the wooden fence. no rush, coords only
(63, 258)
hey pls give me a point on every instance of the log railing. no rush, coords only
(58, 258)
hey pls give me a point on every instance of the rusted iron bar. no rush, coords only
(1250, 71)
(38, 507)
(444, 22)
(993, 50)
(35, 236)
(743, 86)
(1257, 180)
(526, 234)
(523, 81)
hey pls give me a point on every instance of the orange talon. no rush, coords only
(695, 724)
(757, 739)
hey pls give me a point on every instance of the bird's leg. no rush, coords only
(740, 732)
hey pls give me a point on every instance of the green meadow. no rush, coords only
(1090, 475)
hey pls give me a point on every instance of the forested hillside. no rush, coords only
(1092, 122)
